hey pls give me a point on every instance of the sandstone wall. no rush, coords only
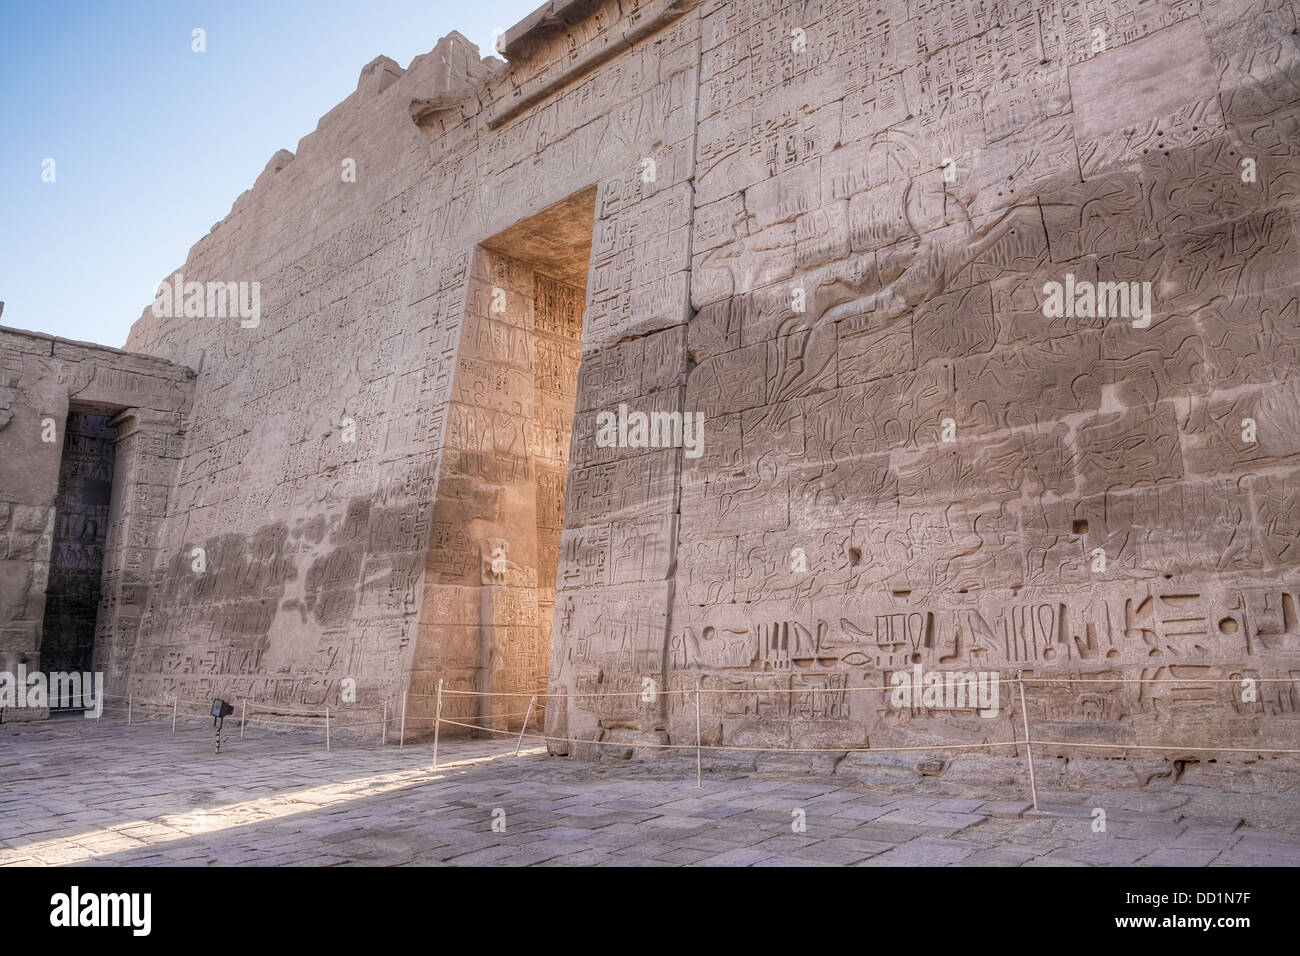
(920, 171)
(48, 388)
(309, 469)
(318, 551)
(828, 227)
(912, 175)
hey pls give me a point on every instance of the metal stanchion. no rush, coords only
(402, 742)
(130, 701)
(1029, 752)
(327, 728)
(173, 714)
(699, 771)
(437, 721)
(383, 727)
(524, 728)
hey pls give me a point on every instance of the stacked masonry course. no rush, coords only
(827, 226)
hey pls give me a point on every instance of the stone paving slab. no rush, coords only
(105, 793)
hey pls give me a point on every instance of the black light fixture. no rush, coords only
(220, 711)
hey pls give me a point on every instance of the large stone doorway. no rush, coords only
(500, 511)
(81, 519)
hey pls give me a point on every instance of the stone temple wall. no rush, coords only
(909, 459)
(878, 247)
(89, 441)
(327, 560)
(311, 453)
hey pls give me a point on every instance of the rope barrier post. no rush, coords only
(383, 727)
(173, 714)
(699, 771)
(437, 722)
(243, 713)
(524, 728)
(327, 729)
(402, 742)
(130, 700)
(1029, 752)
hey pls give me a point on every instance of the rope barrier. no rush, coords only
(476, 722)
(1238, 750)
(517, 713)
(488, 693)
(281, 723)
(749, 749)
(164, 708)
(274, 707)
(277, 709)
(844, 750)
(1156, 680)
(866, 750)
(851, 690)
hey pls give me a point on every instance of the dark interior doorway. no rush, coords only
(77, 551)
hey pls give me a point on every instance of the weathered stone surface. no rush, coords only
(835, 232)
(77, 420)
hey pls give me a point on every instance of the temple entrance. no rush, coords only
(550, 254)
(77, 550)
(505, 466)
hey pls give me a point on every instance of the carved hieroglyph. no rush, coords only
(831, 229)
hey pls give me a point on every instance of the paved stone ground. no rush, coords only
(102, 792)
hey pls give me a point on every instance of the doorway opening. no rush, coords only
(81, 515)
(505, 468)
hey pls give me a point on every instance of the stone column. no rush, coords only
(149, 445)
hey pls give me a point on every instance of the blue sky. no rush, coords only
(153, 142)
